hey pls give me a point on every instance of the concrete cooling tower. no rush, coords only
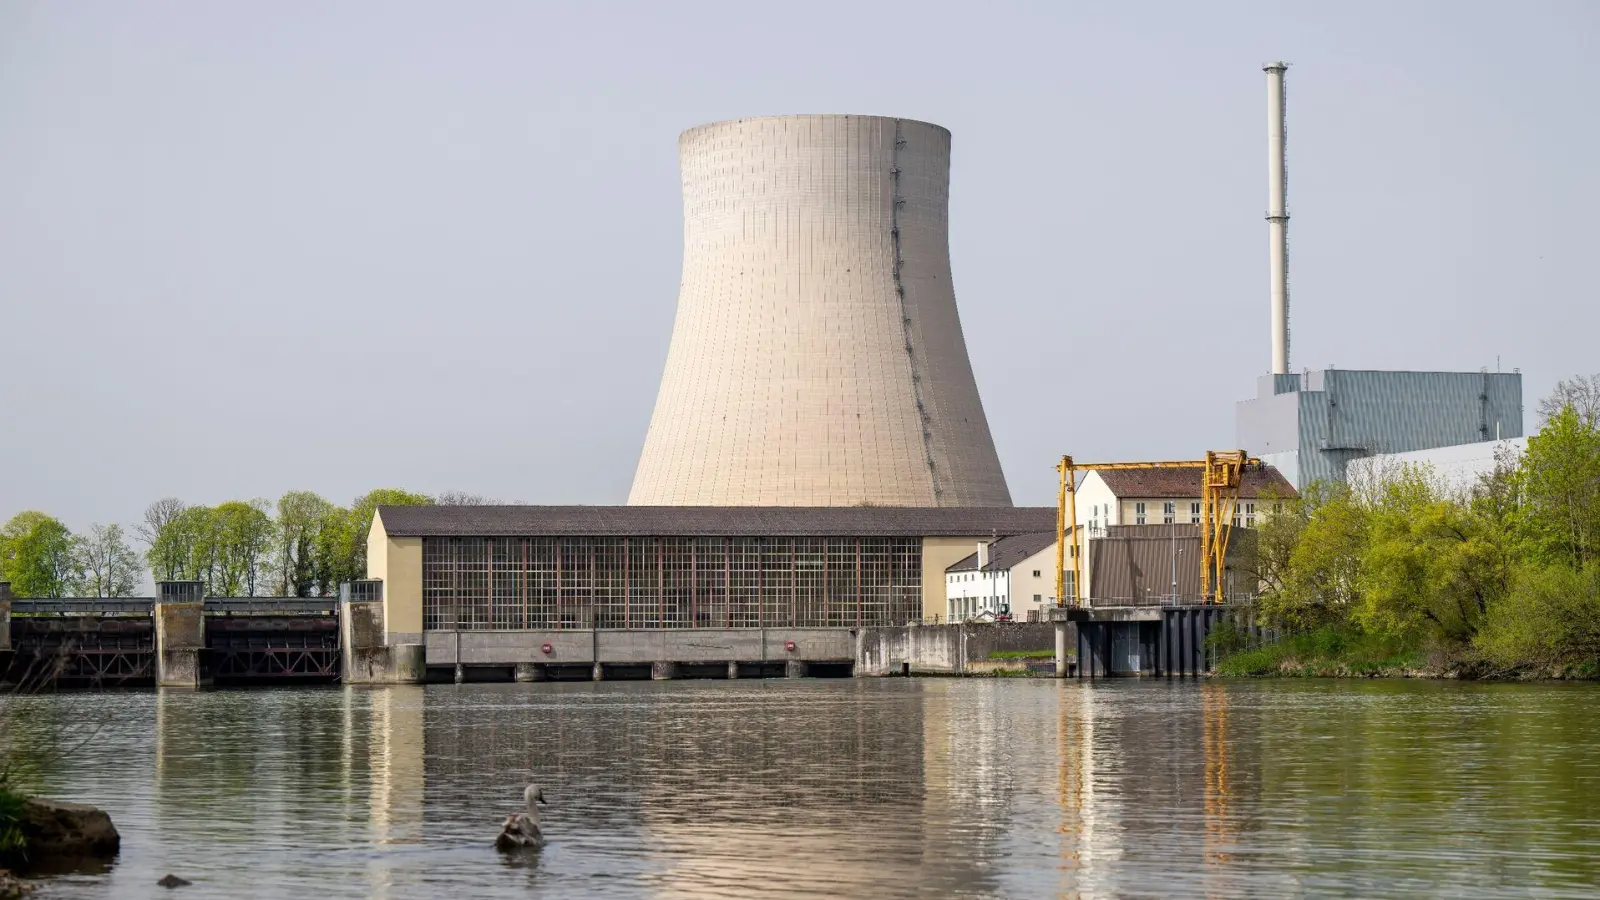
(817, 356)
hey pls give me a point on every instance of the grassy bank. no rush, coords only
(1023, 654)
(1328, 652)
(1347, 653)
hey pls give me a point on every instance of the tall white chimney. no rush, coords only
(1278, 215)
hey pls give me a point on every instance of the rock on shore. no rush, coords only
(57, 831)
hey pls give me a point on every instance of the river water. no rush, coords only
(846, 788)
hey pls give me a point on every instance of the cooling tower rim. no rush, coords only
(722, 123)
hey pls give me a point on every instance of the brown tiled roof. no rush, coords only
(713, 521)
(1135, 484)
(1007, 552)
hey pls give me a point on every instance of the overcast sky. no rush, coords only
(252, 247)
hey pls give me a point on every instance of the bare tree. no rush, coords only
(1581, 392)
(108, 566)
(157, 516)
(462, 498)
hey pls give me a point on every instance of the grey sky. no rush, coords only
(246, 248)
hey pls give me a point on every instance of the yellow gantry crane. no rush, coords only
(1221, 475)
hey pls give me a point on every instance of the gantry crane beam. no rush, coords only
(1222, 474)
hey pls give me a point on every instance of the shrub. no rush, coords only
(1550, 620)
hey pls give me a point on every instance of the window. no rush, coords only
(1169, 512)
(1138, 513)
(1036, 573)
(1036, 598)
(1250, 515)
(1194, 514)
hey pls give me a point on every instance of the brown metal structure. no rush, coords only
(1222, 474)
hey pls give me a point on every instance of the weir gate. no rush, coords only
(183, 639)
(191, 641)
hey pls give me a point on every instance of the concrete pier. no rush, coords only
(5, 616)
(663, 671)
(796, 668)
(598, 673)
(528, 673)
(733, 670)
(180, 622)
(1065, 645)
(367, 659)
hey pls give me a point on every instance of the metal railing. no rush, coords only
(79, 606)
(271, 606)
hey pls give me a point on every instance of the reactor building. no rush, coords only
(817, 357)
(1316, 425)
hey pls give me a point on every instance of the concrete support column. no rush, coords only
(368, 657)
(5, 616)
(795, 668)
(663, 671)
(733, 670)
(528, 673)
(599, 673)
(180, 620)
(1066, 643)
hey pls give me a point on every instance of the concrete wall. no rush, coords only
(397, 562)
(180, 641)
(5, 616)
(944, 649)
(817, 357)
(367, 658)
(686, 645)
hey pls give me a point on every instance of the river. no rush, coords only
(845, 788)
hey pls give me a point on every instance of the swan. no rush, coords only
(520, 831)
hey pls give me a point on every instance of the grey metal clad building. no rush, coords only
(1312, 426)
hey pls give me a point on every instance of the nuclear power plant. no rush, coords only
(1318, 425)
(817, 357)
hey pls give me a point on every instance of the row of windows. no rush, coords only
(669, 582)
(1244, 512)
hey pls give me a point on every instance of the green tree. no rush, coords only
(108, 566)
(1560, 487)
(183, 548)
(38, 556)
(243, 537)
(1432, 566)
(297, 564)
(1550, 619)
(1321, 582)
(343, 544)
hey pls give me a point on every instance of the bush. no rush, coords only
(1549, 620)
(13, 844)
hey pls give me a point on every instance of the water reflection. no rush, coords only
(849, 788)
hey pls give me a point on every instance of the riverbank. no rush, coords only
(1336, 653)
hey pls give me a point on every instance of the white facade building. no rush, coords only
(1012, 576)
(1455, 469)
(1163, 497)
(817, 357)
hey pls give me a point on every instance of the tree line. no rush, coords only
(1499, 576)
(302, 546)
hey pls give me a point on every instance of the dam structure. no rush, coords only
(817, 357)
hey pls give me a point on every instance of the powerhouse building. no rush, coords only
(1312, 426)
(817, 357)
(450, 569)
